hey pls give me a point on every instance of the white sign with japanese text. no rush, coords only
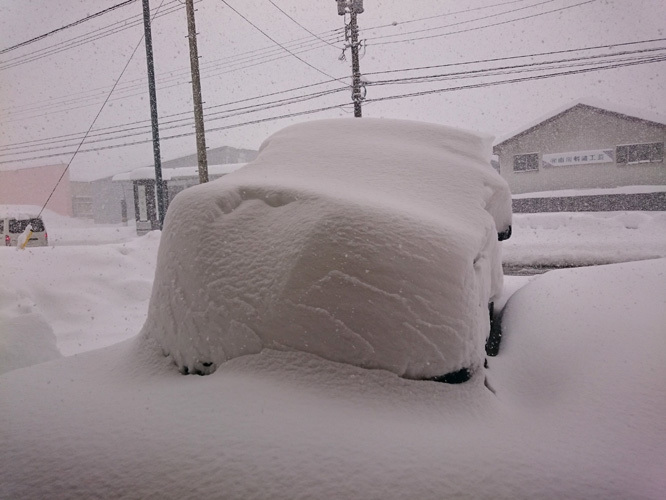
(579, 158)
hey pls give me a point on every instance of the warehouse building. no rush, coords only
(585, 145)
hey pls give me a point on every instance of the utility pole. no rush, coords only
(202, 159)
(354, 7)
(153, 112)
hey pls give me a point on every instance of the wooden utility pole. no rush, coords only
(153, 113)
(202, 159)
(356, 70)
(354, 8)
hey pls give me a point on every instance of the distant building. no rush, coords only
(34, 186)
(174, 180)
(582, 146)
(114, 199)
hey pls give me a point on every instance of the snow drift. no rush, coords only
(369, 242)
(26, 337)
(578, 412)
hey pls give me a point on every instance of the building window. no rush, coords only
(526, 163)
(640, 153)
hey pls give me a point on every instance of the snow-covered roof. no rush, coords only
(176, 173)
(19, 211)
(125, 176)
(612, 107)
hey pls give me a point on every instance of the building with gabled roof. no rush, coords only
(586, 144)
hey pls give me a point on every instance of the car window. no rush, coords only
(2, 226)
(17, 226)
(37, 225)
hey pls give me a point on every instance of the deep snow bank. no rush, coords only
(585, 238)
(578, 413)
(87, 296)
(370, 242)
(26, 338)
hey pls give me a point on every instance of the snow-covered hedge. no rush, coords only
(370, 242)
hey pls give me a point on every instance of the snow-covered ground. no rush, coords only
(572, 407)
(576, 411)
(96, 294)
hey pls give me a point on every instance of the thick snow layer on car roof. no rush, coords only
(370, 242)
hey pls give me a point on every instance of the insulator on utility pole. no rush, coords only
(354, 7)
(153, 113)
(202, 159)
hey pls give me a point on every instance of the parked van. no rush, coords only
(12, 226)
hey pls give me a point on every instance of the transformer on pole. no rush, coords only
(353, 7)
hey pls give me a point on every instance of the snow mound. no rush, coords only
(578, 412)
(27, 338)
(369, 242)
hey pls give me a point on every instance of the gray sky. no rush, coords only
(61, 93)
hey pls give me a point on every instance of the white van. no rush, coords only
(13, 225)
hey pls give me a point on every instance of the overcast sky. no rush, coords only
(48, 92)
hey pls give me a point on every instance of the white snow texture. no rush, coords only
(369, 242)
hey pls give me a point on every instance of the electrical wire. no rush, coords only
(500, 23)
(189, 134)
(168, 125)
(74, 135)
(605, 66)
(300, 25)
(279, 44)
(397, 23)
(129, 91)
(522, 67)
(215, 115)
(78, 148)
(508, 58)
(460, 23)
(70, 25)
(514, 80)
(80, 40)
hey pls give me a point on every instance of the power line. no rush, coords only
(278, 43)
(300, 25)
(397, 23)
(459, 23)
(79, 40)
(70, 25)
(208, 72)
(216, 115)
(606, 66)
(188, 123)
(488, 25)
(78, 148)
(515, 80)
(522, 67)
(188, 134)
(72, 136)
(507, 58)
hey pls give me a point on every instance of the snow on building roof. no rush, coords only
(593, 102)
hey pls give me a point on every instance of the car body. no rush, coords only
(13, 225)
(371, 242)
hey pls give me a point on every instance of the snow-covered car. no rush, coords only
(14, 226)
(370, 242)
